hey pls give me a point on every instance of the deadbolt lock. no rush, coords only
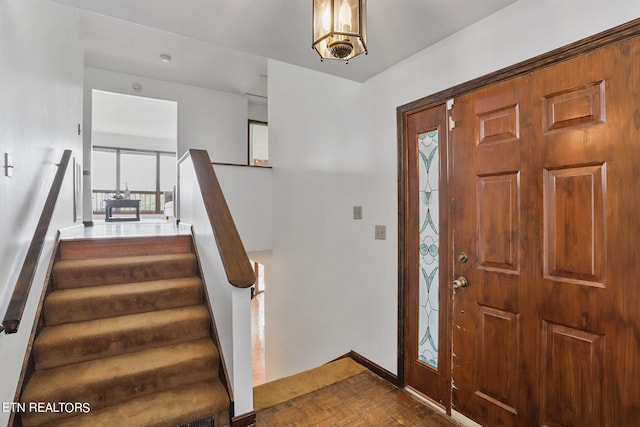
(463, 257)
(460, 282)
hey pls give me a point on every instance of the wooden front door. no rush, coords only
(545, 204)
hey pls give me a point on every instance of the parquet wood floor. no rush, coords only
(362, 400)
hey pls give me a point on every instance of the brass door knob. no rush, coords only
(462, 257)
(460, 282)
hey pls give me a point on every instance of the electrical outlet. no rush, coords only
(357, 212)
(381, 232)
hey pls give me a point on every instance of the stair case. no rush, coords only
(126, 331)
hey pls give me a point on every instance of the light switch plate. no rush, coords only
(381, 232)
(357, 212)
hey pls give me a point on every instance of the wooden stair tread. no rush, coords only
(126, 329)
(105, 271)
(168, 408)
(105, 382)
(82, 341)
(83, 248)
(118, 261)
(97, 302)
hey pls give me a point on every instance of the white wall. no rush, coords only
(521, 31)
(258, 112)
(248, 192)
(311, 317)
(40, 108)
(120, 140)
(207, 119)
(327, 272)
(127, 121)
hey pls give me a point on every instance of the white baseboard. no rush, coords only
(426, 400)
(466, 422)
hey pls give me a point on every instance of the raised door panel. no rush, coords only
(577, 106)
(501, 125)
(498, 220)
(498, 358)
(572, 377)
(574, 226)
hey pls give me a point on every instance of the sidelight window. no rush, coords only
(428, 311)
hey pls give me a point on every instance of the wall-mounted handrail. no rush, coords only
(21, 290)
(234, 257)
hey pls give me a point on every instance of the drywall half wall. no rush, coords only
(40, 109)
(247, 190)
(334, 146)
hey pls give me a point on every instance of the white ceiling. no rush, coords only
(224, 44)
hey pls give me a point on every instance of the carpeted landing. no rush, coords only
(126, 333)
(288, 388)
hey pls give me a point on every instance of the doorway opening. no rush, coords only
(134, 145)
(257, 325)
(258, 143)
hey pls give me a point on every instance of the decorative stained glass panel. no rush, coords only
(428, 310)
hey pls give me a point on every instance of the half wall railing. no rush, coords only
(234, 257)
(226, 269)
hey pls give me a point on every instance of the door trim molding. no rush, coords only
(596, 41)
(608, 37)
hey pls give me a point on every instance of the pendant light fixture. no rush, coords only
(339, 28)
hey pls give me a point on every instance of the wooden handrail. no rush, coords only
(234, 257)
(25, 279)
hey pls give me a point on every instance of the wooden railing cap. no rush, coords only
(232, 252)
